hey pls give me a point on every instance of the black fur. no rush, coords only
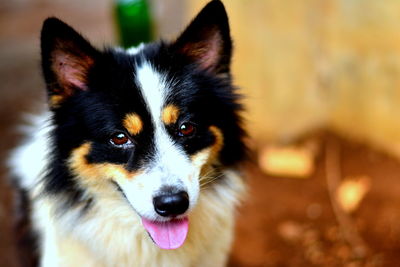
(26, 239)
(94, 112)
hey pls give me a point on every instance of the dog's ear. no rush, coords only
(206, 40)
(66, 59)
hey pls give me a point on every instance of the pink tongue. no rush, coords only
(167, 235)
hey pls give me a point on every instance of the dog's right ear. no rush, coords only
(66, 60)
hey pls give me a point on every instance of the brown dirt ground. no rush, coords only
(290, 222)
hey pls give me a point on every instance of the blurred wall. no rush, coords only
(314, 63)
(302, 64)
(20, 25)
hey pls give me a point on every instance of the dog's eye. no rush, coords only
(186, 129)
(120, 140)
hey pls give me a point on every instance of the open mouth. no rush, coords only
(165, 234)
(169, 234)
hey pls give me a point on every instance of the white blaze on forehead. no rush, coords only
(153, 87)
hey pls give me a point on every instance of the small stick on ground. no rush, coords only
(333, 176)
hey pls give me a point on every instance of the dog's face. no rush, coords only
(152, 124)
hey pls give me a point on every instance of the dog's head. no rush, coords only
(151, 124)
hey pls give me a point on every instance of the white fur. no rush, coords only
(28, 160)
(136, 49)
(27, 164)
(132, 50)
(154, 88)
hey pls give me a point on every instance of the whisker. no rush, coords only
(208, 180)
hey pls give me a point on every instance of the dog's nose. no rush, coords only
(171, 204)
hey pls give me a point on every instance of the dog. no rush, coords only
(136, 160)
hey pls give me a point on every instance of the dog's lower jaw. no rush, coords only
(112, 236)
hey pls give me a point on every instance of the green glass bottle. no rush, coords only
(133, 18)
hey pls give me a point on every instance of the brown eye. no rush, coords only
(120, 139)
(186, 129)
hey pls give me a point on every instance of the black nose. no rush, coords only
(171, 204)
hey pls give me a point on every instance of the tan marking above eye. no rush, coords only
(94, 173)
(133, 123)
(55, 101)
(170, 114)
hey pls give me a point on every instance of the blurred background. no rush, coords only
(321, 80)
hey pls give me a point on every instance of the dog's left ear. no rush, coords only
(207, 41)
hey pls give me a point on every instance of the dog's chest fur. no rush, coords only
(103, 240)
